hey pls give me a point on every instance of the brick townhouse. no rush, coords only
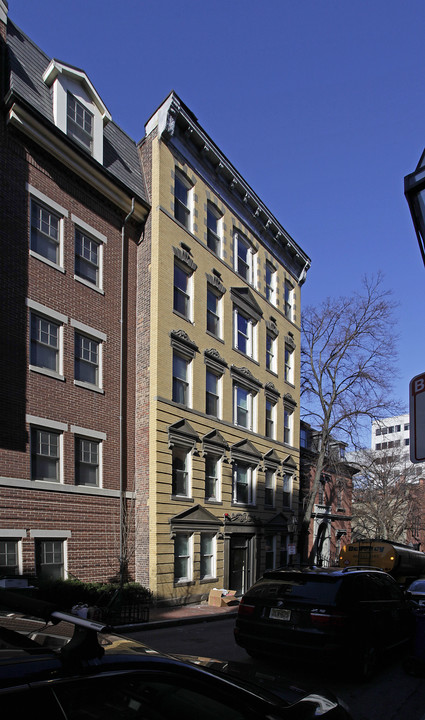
(150, 386)
(73, 205)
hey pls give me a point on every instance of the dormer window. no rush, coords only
(78, 110)
(79, 122)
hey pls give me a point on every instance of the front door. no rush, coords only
(240, 576)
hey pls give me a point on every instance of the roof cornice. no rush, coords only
(98, 178)
(173, 113)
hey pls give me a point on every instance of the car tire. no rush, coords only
(368, 662)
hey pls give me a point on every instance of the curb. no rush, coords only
(157, 624)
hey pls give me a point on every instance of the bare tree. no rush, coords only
(348, 359)
(384, 496)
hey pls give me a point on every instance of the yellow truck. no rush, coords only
(401, 561)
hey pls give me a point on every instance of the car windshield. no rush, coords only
(417, 586)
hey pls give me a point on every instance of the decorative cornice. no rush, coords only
(245, 376)
(182, 342)
(174, 114)
(214, 360)
(272, 327)
(271, 391)
(185, 258)
(289, 400)
(216, 283)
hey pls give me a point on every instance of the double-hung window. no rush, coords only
(243, 484)
(244, 258)
(87, 359)
(269, 487)
(45, 454)
(208, 555)
(287, 489)
(244, 333)
(212, 400)
(80, 122)
(288, 299)
(87, 461)
(289, 364)
(180, 471)
(183, 557)
(213, 312)
(45, 232)
(182, 199)
(87, 258)
(213, 229)
(288, 425)
(271, 346)
(243, 401)
(49, 559)
(9, 556)
(45, 343)
(181, 376)
(212, 464)
(270, 546)
(270, 283)
(182, 291)
(270, 418)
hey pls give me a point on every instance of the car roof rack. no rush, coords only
(84, 644)
(360, 567)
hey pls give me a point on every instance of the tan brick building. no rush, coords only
(151, 317)
(222, 430)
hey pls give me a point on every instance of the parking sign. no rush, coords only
(417, 418)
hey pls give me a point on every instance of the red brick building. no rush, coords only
(330, 525)
(73, 206)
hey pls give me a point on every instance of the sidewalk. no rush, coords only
(183, 614)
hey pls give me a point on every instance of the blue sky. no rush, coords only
(319, 104)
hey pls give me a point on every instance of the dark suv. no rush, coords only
(319, 612)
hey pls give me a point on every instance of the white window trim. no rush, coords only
(187, 182)
(62, 535)
(274, 364)
(218, 460)
(213, 573)
(252, 333)
(238, 237)
(189, 578)
(288, 291)
(219, 314)
(60, 427)
(219, 234)
(273, 538)
(252, 407)
(99, 336)
(59, 318)
(290, 425)
(273, 285)
(273, 488)
(41, 198)
(90, 231)
(252, 485)
(289, 366)
(273, 418)
(188, 361)
(188, 493)
(189, 290)
(290, 478)
(219, 378)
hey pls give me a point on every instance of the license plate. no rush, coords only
(280, 614)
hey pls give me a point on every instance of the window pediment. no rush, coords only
(183, 434)
(245, 451)
(244, 299)
(196, 518)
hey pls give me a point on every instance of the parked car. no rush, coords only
(325, 614)
(75, 669)
(415, 593)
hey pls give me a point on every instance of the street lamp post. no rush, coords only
(414, 190)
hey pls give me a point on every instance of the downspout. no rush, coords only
(121, 459)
